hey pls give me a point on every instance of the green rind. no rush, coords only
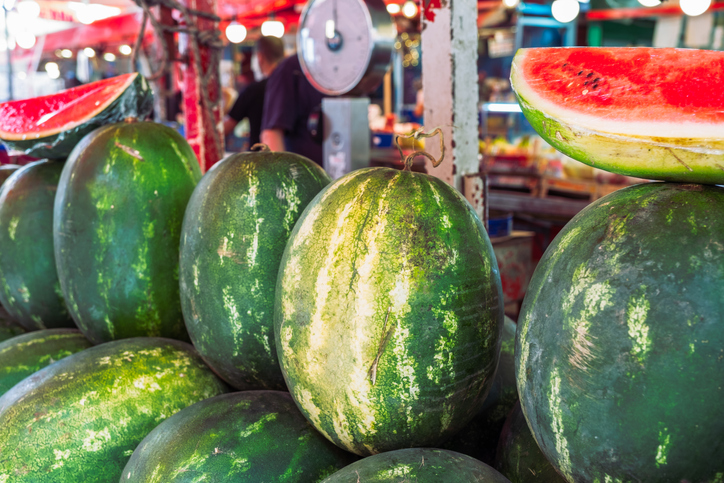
(519, 457)
(479, 439)
(620, 343)
(26, 354)
(135, 101)
(650, 158)
(236, 226)
(117, 226)
(29, 285)
(419, 465)
(251, 436)
(388, 311)
(81, 418)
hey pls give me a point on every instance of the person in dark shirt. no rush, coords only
(288, 103)
(269, 51)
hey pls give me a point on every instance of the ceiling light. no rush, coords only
(28, 8)
(236, 32)
(66, 53)
(565, 10)
(90, 53)
(125, 49)
(650, 3)
(409, 9)
(272, 28)
(692, 8)
(393, 8)
(109, 57)
(25, 39)
(511, 3)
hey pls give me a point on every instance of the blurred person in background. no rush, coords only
(268, 52)
(292, 112)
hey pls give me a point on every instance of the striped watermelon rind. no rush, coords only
(421, 465)
(26, 354)
(388, 311)
(81, 418)
(660, 117)
(236, 226)
(253, 436)
(82, 109)
(619, 349)
(118, 215)
(29, 285)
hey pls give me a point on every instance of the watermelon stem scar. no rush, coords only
(417, 135)
(259, 148)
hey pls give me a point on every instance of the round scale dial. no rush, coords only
(345, 45)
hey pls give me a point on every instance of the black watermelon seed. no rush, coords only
(596, 79)
(595, 86)
(565, 64)
(589, 74)
(580, 73)
(585, 83)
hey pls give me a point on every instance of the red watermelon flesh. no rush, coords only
(50, 126)
(59, 112)
(653, 113)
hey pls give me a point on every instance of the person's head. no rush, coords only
(268, 52)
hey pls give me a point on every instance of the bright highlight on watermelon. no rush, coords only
(50, 126)
(651, 113)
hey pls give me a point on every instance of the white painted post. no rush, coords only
(450, 85)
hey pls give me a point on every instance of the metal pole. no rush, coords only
(7, 51)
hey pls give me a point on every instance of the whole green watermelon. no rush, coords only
(418, 465)
(250, 436)
(519, 458)
(620, 343)
(236, 226)
(29, 286)
(25, 354)
(117, 226)
(79, 419)
(389, 311)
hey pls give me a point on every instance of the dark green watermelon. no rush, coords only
(8, 327)
(519, 458)
(236, 226)
(25, 354)
(251, 436)
(80, 419)
(620, 343)
(29, 286)
(117, 226)
(479, 439)
(418, 465)
(389, 311)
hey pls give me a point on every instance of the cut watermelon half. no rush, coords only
(50, 126)
(645, 112)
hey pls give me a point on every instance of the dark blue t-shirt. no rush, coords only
(288, 101)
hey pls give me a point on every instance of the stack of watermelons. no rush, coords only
(388, 282)
(362, 317)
